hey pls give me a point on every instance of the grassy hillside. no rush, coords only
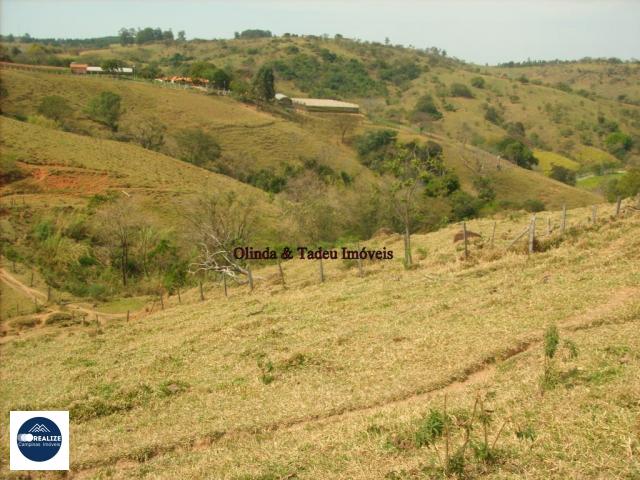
(252, 140)
(306, 390)
(561, 105)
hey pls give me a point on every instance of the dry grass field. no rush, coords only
(440, 370)
(339, 380)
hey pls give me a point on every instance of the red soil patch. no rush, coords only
(69, 179)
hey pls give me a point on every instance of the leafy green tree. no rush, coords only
(517, 152)
(253, 33)
(427, 106)
(484, 187)
(374, 146)
(201, 70)
(618, 144)
(182, 36)
(464, 205)
(151, 70)
(127, 36)
(150, 133)
(105, 108)
(264, 84)
(563, 174)
(626, 186)
(112, 65)
(197, 146)
(409, 165)
(55, 107)
(221, 79)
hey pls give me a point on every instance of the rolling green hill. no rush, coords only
(253, 140)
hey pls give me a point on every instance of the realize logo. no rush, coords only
(39, 439)
(42, 440)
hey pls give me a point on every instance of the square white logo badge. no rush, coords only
(39, 440)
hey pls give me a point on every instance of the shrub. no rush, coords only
(105, 109)
(464, 205)
(460, 90)
(430, 429)
(42, 121)
(9, 170)
(55, 107)
(427, 106)
(484, 187)
(59, 318)
(533, 205)
(516, 129)
(627, 186)
(477, 82)
(618, 144)
(267, 180)
(197, 146)
(97, 291)
(25, 322)
(563, 174)
(373, 146)
(492, 115)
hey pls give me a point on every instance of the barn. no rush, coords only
(83, 68)
(79, 68)
(325, 105)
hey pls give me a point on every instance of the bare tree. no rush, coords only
(120, 224)
(345, 124)
(220, 224)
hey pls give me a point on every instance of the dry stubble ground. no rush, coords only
(329, 381)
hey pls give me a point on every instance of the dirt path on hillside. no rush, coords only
(37, 296)
(16, 284)
(478, 373)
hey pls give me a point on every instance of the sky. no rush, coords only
(478, 31)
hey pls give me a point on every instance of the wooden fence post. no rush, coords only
(618, 202)
(532, 233)
(179, 297)
(563, 224)
(161, 301)
(284, 284)
(48, 293)
(321, 271)
(464, 237)
(224, 281)
(201, 291)
(127, 315)
(31, 282)
(250, 278)
(548, 225)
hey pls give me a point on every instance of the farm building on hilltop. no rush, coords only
(325, 105)
(83, 68)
